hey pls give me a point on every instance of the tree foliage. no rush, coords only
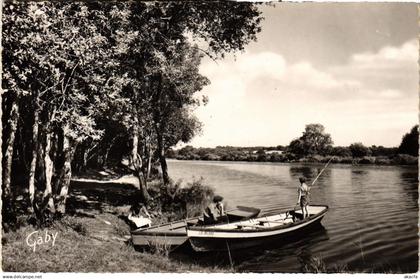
(410, 142)
(313, 141)
(107, 81)
(359, 150)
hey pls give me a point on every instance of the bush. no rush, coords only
(316, 158)
(359, 150)
(276, 157)
(174, 202)
(291, 157)
(346, 160)
(405, 159)
(196, 196)
(383, 161)
(341, 151)
(367, 160)
(211, 157)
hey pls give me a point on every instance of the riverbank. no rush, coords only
(84, 244)
(93, 236)
(99, 244)
(396, 160)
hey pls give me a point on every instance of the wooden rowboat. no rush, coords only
(174, 234)
(253, 232)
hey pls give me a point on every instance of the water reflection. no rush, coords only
(359, 171)
(288, 252)
(299, 171)
(310, 172)
(410, 185)
(358, 175)
(358, 180)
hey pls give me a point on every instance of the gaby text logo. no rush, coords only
(35, 239)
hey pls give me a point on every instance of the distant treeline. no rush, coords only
(379, 155)
(304, 150)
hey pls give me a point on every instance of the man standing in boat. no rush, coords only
(215, 212)
(303, 199)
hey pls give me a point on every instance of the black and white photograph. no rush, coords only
(210, 137)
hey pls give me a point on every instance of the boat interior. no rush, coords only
(234, 215)
(258, 222)
(269, 221)
(261, 222)
(179, 226)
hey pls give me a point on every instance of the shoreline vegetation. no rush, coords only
(314, 146)
(277, 157)
(94, 235)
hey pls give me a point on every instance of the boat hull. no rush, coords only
(220, 240)
(169, 241)
(173, 235)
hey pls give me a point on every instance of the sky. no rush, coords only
(351, 67)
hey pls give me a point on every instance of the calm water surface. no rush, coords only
(371, 224)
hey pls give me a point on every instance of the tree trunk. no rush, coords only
(149, 159)
(65, 172)
(8, 156)
(8, 215)
(84, 160)
(48, 164)
(32, 170)
(162, 158)
(40, 168)
(137, 163)
(108, 149)
(80, 157)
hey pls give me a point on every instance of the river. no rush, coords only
(372, 224)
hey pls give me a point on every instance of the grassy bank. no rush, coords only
(94, 236)
(85, 244)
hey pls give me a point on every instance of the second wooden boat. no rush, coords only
(255, 231)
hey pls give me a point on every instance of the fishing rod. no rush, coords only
(313, 182)
(319, 174)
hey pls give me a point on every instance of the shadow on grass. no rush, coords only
(104, 174)
(91, 195)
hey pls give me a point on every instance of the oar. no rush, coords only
(319, 174)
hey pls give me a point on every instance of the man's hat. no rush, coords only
(217, 198)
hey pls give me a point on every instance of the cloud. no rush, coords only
(260, 99)
(391, 68)
(388, 57)
(246, 68)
